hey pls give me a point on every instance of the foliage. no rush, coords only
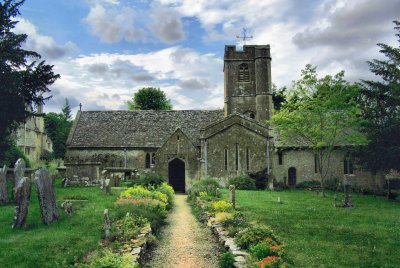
(278, 96)
(108, 259)
(169, 193)
(270, 262)
(260, 178)
(139, 192)
(208, 186)
(253, 236)
(320, 113)
(261, 250)
(222, 206)
(23, 78)
(128, 227)
(150, 98)
(57, 128)
(310, 227)
(222, 217)
(243, 182)
(227, 260)
(380, 104)
(149, 179)
(12, 154)
(308, 184)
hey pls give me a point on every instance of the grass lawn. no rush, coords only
(60, 243)
(319, 235)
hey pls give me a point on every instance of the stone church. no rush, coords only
(186, 145)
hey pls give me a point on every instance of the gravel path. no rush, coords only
(184, 242)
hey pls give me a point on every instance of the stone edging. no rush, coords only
(137, 247)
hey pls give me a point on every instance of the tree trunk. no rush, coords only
(46, 196)
(22, 196)
(3, 186)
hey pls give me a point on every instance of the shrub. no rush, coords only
(222, 216)
(308, 184)
(271, 262)
(208, 186)
(139, 192)
(128, 227)
(260, 178)
(261, 250)
(237, 220)
(222, 206)
(11, 155)
(243, 182)
(169, 193)
(149, 179)
(279, 185)
(227, 260)
(108, 259)
(255, 235)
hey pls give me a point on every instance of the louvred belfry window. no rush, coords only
(244, 75)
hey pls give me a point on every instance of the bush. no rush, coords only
(271, 262)
(227, 260)
(255, 235)
(308, 184)
(222, 216)
(149, 179)
(108, 259)
(261, 250)
(243, 182)
(139, 192)
(11, 155)
(260, 178)
(128, 227)
(222, 206)
(279, 185)
(208, 186)
(169, 193)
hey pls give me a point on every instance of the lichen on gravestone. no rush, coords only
(46, 196)
(22, 196)
(19, 171)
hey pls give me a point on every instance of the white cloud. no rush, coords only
(167, 25)
(42, 44)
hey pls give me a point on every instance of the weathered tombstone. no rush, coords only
(67, 206)
(19, 171)
(3, 186)
(107, 224)
(232, 195)
(107, 186)
(279, 200)
(46, 196)
(21, 197)
(347, 180)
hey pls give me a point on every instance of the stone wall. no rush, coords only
(179, 146)
(303, 161)
(227, 139)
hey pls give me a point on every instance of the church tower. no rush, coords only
(247, 82)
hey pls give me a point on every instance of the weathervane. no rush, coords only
(244, 36)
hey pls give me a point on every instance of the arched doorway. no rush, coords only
(176, 175)
(292, 177)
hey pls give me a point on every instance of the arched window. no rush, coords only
(148, 160)
(244, 74)
(292, 177)
(348, 165)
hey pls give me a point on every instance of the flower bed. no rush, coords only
(248, 245)
(137, 213)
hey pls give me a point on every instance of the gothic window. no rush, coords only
(226, 159)
(148, 160)
(153, 159)
(280, 157)
(237, 157)
(247, 159)
(244, 74)
(348, 165)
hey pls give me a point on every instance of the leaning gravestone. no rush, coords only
(21, 197)
(19, 171)
(3, 186)
(46, 196)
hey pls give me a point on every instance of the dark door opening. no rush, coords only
(176, 175)
(292, 177)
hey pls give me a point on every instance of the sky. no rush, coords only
(106, 50)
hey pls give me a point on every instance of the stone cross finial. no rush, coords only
(244, 36)
(80, 106)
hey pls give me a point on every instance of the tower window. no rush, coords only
(226, 159)
(244, 74)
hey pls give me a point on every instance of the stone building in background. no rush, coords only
(32, 139)
(184, 146)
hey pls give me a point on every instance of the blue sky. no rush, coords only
(105, 50)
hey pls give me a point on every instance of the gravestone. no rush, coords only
(3, 186)
(19, 171)
(107, 224)
(232, 195)
(21, 198)
(68, 208)
(46, 196)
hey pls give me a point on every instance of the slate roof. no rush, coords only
(137, 128)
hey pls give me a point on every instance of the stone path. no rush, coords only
(184, 242)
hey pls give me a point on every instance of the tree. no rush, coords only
(149, 98)
(278, 96)
(57, 128)
(320, 114)
(66, 110)
(23, 79)
(381, 109)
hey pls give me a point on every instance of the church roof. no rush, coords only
(137, 128)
